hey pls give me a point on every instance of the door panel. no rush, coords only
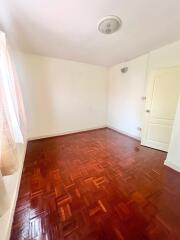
(159, 133)
(162, 98)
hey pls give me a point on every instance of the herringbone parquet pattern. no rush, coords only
(97, 185)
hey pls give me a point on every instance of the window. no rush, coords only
(12, 120)
(11, 112)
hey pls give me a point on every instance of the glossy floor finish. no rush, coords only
(96, 185)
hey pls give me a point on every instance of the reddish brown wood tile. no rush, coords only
(96, 185)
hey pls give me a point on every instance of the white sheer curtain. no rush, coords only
(12, 117)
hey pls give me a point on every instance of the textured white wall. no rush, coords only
(62, 96)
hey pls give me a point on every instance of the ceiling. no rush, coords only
(68, 29)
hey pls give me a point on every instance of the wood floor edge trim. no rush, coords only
(124, 133)
(172, 166)
(66, 133)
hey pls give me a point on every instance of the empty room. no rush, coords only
(89, 112)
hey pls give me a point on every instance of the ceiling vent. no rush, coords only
(124, 69)
(109, 24)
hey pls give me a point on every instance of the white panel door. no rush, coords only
(162, 98)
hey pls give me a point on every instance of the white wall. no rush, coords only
(125, 106)
(57, 91)
(166, 56)
(173, 157)
(62, 96)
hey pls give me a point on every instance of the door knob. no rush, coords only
(148, 111)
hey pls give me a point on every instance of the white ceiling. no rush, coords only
(68, 28)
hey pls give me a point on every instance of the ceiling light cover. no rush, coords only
(109, 24)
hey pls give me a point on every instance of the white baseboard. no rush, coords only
(125, 133)
(172, 165)
(65, 133)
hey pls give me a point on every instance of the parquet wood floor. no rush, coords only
(97, 185)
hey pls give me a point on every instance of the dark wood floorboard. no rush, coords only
(97, 185)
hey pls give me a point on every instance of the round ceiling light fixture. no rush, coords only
(109, 24)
